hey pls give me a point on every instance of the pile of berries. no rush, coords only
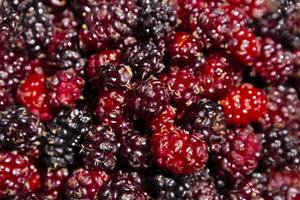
(150, 99)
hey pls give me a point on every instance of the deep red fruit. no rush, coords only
(245, 46)
(282, 107)
(183, 87)
(103, 58)
(17, 175)
(164, 120)
(254, 8)
(110, 110)
(238, 18)
(54, 183)
(274, 64)
(184, 48)
(247, 189)
(178, 151)
(218, 76)
(239, 154)
(65, 88)
(64, 20)
(32, 93)
(85, 184)
(244, 104)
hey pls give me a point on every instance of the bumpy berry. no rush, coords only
(184, 48)
(63, 21)
(32, 93)
(110, 110)
(54, 182)
(183, 87)
(206, 117)
(115, 75)
(274, 64)
(247, 189)
(239, 154)
(5, 99)
(135, 151)
(27, 196)
(164, 120)
(124, 185)
(279, 149)
(86, 184)
(179, 152)
(254, 8)
(148, 98)
(13, 69)
(65, 133)
(96, 61)
(218, 76)
(145, 59)
(17, 175)
(238, 18)
(63, 52)
(109, 23)
(245, 46)
(20, 130)
(244, 104)
(157, 20)
(65, 88)
(99, 149)
(281, 107)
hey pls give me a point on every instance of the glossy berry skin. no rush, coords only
(97, 60)
(115, 76)
(85, 184)
(54, 182)
(244, 104)
(148, 98)
(183, 87)
(245, 46)
(110, 110)
(247, 189)
(179, 152)
(32, 93)
(238, 18)
(254, 8)
(65, 88)
(99, 149)
(218, 76)
(17, 175)
(239, 155)
(282, 106)
(164, 120)
(274, 64)
(183, 48)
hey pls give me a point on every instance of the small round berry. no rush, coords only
(164, 120)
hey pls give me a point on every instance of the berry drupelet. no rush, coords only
(65, 132)
(178, 151)
(148, 98)
(164, 120)
(247, 189)
(20, 130)
(85, 184)
(134, 151)
(244, 104)
(279, 149)
(124, 185)
(183, 87)
(17, 175)
(109, 23)
(145, 59)
(63, 52)
(100, 148)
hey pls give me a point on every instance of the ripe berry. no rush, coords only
(245, 46)
(179, 152)
(17, 175)
(99, 149)
(85, 184)
(32, 93)
(244, 104)
(254, 8)
(65, 88)
(218, 76)
(183, 87)
(110, 110)
(148, 98)
(239, 154)
(274, 64)
(184, 48)
(247, 189)
(164, 120)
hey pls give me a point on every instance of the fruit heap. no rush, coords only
(150, 99)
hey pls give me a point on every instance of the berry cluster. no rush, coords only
(150, 99)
